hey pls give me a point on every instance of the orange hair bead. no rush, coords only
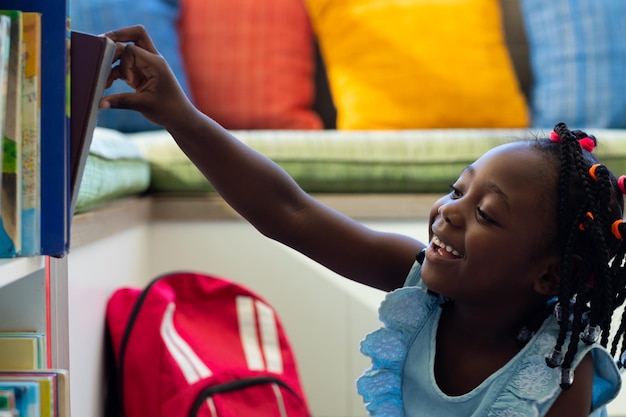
(615, 229)
(592, 171)
(590, 215)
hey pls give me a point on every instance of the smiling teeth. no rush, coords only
(448, 248)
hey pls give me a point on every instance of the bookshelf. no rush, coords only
(34, 290)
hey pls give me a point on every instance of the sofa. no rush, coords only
(347, 105)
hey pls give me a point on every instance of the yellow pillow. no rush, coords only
(410, 64)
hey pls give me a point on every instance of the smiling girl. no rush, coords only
(506, 312)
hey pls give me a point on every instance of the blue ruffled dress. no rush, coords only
(401, 380)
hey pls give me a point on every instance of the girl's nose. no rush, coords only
(451, 213)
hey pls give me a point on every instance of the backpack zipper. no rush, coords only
(211, 391)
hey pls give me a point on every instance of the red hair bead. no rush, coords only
(587, 144)
(555, 137)
(621, 185)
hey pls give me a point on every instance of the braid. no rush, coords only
(575, 327)
(565, 233)
(619, 297)
(602, 305)
(564, 293)
(570, 171)
(592, 285)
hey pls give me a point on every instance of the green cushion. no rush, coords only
(115, 168)
(408, 161)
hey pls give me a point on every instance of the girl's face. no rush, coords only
(488, 236)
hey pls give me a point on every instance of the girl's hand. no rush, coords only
(158, 96)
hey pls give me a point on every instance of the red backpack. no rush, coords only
(194, 345)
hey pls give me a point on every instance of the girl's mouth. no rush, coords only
(444, 249)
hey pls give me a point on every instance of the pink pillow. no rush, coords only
(250, 62)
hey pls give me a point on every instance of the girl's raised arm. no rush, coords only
(257, 188)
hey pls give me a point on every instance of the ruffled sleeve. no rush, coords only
(403, 312)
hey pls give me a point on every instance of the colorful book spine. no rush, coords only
(26, 397)
(8, 406)
(47, 389)
(21, 351)
(12, 141)
(6, 243)
(31, 136)
(53, 393)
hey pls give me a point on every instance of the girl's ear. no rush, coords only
(549, 281)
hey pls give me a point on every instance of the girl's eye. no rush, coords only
(484, 217)
(455, 192)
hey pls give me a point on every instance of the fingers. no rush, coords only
(141, 67)
(136, 34)
(114, 74)
(121, 101)
(132, 67)
(119, 50)
(133, 45)
(124, 70)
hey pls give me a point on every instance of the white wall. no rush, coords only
(94, 271)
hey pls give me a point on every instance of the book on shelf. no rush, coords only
(55, 113)
(91, 57)
(20, 199)
(53, 392)
(7, 248)
(20, 172)
(26, 394)
(45, 402)
(21, 351)
(8, 405)
(12, 142)
(23, 360)
(31, 135)
(54, 117)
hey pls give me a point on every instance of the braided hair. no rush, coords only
(590, 208)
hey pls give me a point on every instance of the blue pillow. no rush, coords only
(578, 60)
(159, 17)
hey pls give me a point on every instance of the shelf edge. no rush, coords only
(14, 269)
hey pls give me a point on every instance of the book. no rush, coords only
(11, 201)
(22, 351)
(26, 396)
(53, 389)
(91, 58)
(7, 403)
(47, 389)
(6, 243)
(63, 392)
(31, 135)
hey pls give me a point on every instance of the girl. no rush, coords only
(507, 309)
